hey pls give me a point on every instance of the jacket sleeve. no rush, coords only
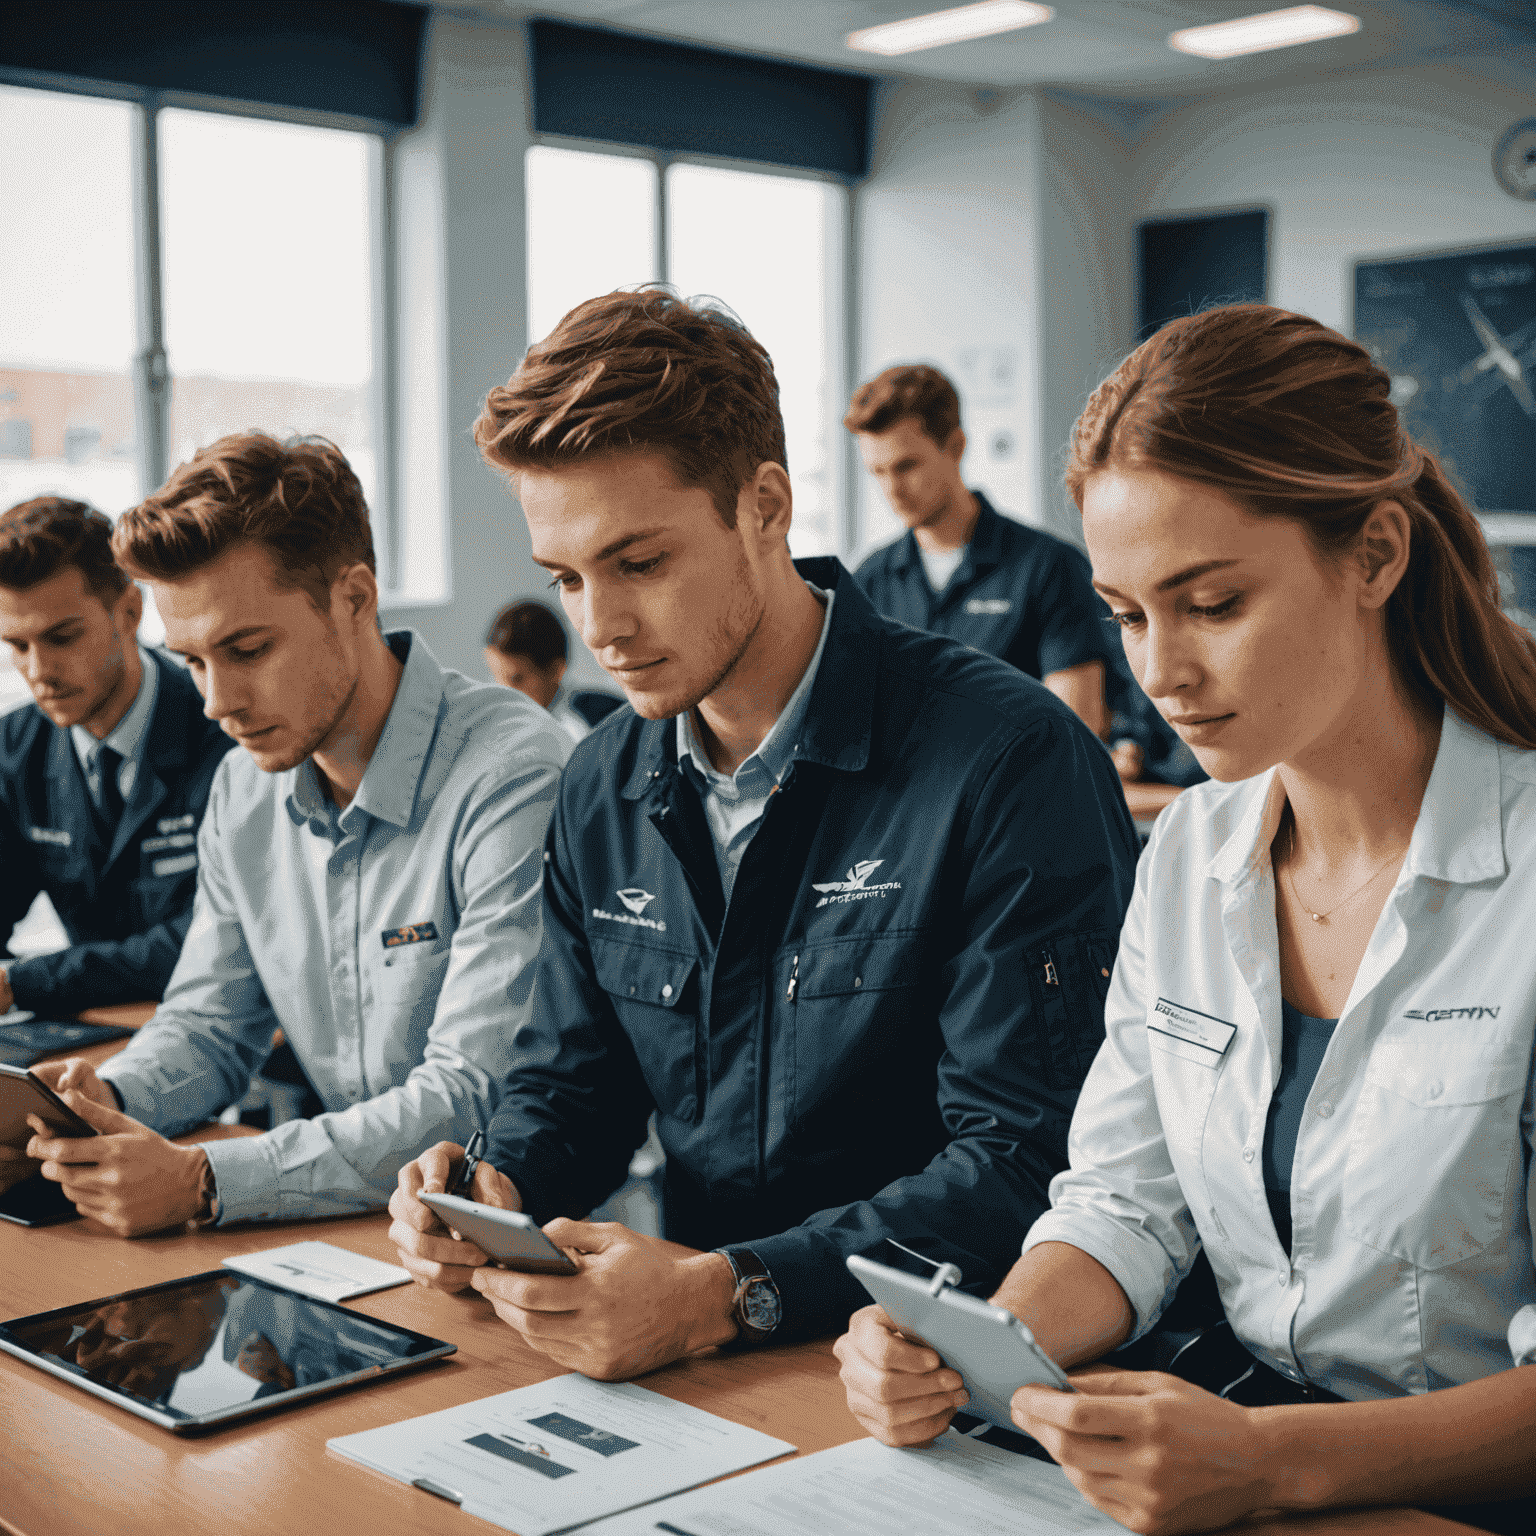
(1043, 877)
(1120, 1201)
(21, 883)
(576, 1105)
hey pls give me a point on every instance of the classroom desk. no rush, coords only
(71, 1465)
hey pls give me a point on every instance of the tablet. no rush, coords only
(196, 1353)
(35, 1201)
(511, 1239)
(23, 1043)
(993, 1351)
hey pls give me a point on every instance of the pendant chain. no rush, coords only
(1290, 874)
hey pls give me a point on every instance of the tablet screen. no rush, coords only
(212, 1345)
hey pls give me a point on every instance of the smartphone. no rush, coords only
(993, 1351)
(22, 1094)
(512, 1240)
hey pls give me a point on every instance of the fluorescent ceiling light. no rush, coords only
(954, 26)
(1257, 34)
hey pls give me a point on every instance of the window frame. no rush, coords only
(149, 367)
(842, 291)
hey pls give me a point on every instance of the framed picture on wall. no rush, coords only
(1456, 330)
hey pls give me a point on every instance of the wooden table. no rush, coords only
(72, 1465)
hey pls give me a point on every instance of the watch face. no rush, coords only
(1514, 161)
(760, 1306)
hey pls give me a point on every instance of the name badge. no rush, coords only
(1191, 1034)
(411, 933)
(175, 840)
(173, 824)
(174, 866)
(988, 605)
(53, 835)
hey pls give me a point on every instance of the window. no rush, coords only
(770, 247)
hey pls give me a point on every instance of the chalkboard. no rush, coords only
(1187, 264)
(1456, 330)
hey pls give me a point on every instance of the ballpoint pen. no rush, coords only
(466, 1178)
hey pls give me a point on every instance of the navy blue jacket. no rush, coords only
(125, 908)
(885, 1032)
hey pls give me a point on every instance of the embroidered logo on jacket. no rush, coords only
(856, 887)
(54, 835)
(174, 824)
(1434, 1014)
(411, 933)
(988, 605)
(635, 899)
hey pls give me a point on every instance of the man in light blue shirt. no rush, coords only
(369, 866)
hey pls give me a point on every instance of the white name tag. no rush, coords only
(49, 835)
(175, 866)
(174, 823)
(988, 605)
(1189, 1033)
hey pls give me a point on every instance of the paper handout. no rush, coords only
(560, 1453)
(321, 1270)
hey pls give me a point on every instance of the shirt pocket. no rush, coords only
(407, 982)
(1433, 1148)
(654, 993)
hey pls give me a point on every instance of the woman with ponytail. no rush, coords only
(1318, 1056)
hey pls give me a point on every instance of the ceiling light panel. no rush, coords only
(953, 26)
(1258, 34)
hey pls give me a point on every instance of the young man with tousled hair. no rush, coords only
(837, 900)
(369, 865)
(525, 648)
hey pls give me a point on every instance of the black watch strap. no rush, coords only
(756, 1306)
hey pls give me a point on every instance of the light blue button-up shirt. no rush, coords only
(126, 738)
(393, 941)
(734, 802)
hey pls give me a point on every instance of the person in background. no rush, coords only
(835, 899)
(1318, 1066)
(964, 570)
(369, 866)
(103, 779)
(526, 649)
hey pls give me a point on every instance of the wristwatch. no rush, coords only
(756, 1305)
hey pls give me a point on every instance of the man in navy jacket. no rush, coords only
(103, 779)
(838, 900)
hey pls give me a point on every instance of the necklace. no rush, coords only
(1290, 874)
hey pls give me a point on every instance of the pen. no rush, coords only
(466, 1178)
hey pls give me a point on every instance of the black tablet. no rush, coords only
(35, 1201)
(24, 1043)
(196, 1353)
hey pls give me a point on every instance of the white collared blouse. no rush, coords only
(1411, 1192)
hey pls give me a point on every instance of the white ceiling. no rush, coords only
(1112, 48)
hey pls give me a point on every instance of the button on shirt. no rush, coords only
(734, 803)
(1411, 1190)
(126, 738)
(392, 941)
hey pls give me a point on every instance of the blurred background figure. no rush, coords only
(526, 648)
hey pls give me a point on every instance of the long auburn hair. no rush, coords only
(1291, 419)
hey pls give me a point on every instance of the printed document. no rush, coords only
(321, 1270)
(957, 1487)
(561, 1453)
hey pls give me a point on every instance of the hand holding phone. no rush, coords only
(511, 1239)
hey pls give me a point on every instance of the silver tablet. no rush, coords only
(196, 1353)
(993, 1351)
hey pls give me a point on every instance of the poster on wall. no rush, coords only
(1456, 330)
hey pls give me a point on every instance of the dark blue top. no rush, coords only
(883, 1032)
(1303, 1041)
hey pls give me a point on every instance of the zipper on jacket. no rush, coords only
(1050, 971)
(794, 981)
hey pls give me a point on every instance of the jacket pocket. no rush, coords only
(1433, 1148)
(654, 993)
(1068, 980)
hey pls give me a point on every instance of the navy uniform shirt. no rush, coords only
(1018, 593)
(123, 893)
(882, 1032)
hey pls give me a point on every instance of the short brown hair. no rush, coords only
(529, 629)
(637, 370)
(909, 389)
(1290, 419)
(41, 537)
(298, 499)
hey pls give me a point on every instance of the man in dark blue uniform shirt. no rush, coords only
(836, 899)
(962, 569)
(103, 779)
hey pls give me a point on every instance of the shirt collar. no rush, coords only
(777, 749)
(127, 737)
(393, 775)
(982, 552)
(1459, 834)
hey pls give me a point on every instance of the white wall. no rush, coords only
(946, 226)
(1371, 164)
